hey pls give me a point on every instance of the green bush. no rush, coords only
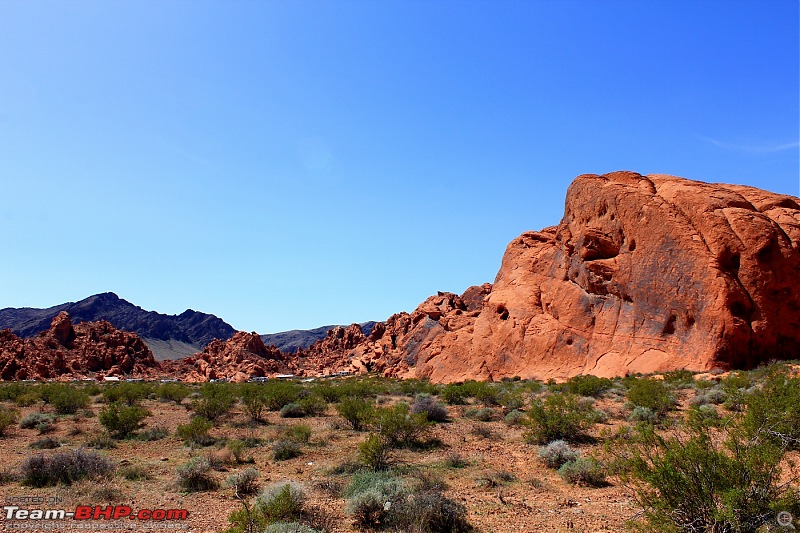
(279, 393)
(398, 426)
(35, 419)
(775, 406)
(483, 414)
(514, 418)
(588, 472)
(313, 405)
(285, 449)
(559, 417)
(281, 502)
(8, 417)
(243, 483)
(301, 433)
(11, 391)
(122, 420)
(653, 394)
(358, 412)
(216, 400)
(412, 387)
(643, 414)
(128, 393)
(26, 399)
(64, 467)
(707, 482)
(195, 475)
(588, 385)
(66, 400)
(195, 433)
(374, 453)
(173, 392)
(253, 402)
(454, 394)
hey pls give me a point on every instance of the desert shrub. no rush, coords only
(153, 434)
(483, 414)
(735, 386)
(704, 415)
(127, 393)
(92, 389)
(680, 379)
(195, 433)
(285, 449)
(66, 400)
(651, 393)
(514, 418)
(713, 396)
(313, 405)
(412, 387)
(195, 475)
(398, 426)
(8, 475)
(64, 467)
(775, 406)
(588, 472)
(237, 448)
(704, 482)
(214, 402)
(173, 392)
(429, 407)
(643, 414)
(358, 412)
(360, 388)
(292, 410)
(253, 402)
(374, 452)
(454, 394)
(8, 417)
(300, 433)
(279, 393)
(134, 473)
(122, 420)
(559, 417)
(11, 391)
(47, 443)
(37, 420)
(430, 512)
(557, 453)
(455, 460)
(482, 391)
(244, 483)
(102, 441)
(511, 400)
(289, 527)
(281, 501)
(371, 497)
(26, 399)
(588, 385)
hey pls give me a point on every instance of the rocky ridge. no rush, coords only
(87, 350)
(643, 274)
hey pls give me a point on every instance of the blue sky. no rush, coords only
(292, 164)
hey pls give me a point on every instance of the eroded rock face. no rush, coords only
(643, 274)
(64, 351)
(239, 358)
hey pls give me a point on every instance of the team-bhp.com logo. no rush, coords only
(89, 512)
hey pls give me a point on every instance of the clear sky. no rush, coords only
(290, 164)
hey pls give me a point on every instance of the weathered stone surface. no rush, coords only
(88, 350)
(643, 274)
(239, 358)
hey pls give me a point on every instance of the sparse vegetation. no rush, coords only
(8, 417)
(244, 483)
(195, 433)
(122, 420)
(559, 417)
(557, 453)
(64, 467)
(195, 475)
(357, 411)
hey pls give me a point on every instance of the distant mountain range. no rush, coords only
(168, 336)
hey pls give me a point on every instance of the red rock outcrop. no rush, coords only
(643, 274)
(65, 351)
(239, 358)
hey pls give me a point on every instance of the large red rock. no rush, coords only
(241, 357)
(64, 351)
(643, 274)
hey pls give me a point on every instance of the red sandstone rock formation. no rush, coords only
(643, 274)
(239, 358)
(66, 351)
